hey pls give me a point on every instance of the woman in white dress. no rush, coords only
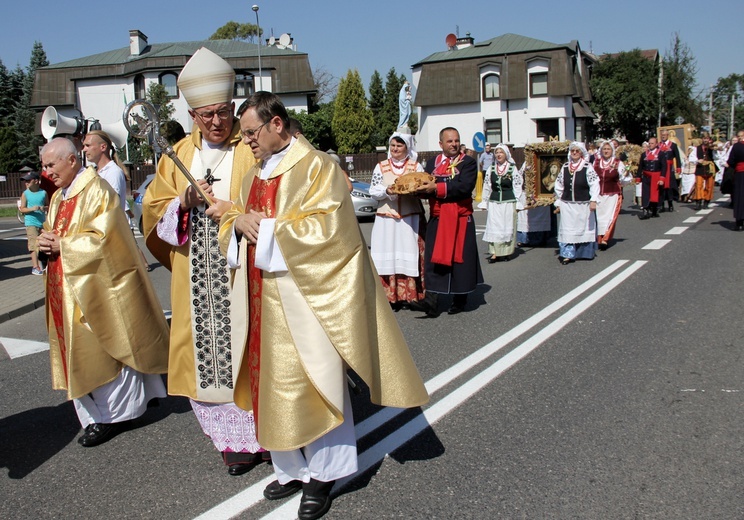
(503, 196)
(688, 175)
(576, 195)
(397, 242)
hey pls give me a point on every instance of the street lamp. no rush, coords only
(258, 31)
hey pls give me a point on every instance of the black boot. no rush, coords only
(644, 214)
(705, 204)
(671, 207)
(654, 211)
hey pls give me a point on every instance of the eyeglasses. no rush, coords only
(253, 134)
(223, 113)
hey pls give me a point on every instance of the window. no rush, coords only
(139, 87)
(491, 87)
(539, 84)
(168, 80)
(243, 85)
(493, 131)
(547, 128)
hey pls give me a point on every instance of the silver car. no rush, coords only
(364, 204)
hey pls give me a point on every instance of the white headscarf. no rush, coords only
(505, 148)
(408, 139)
(581, 147)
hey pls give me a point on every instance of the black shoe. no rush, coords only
(493, 259)
(316, 499)
(240, 468)
(603, 246)
(276, 491)
(98, 433)
(85, 432)
(455, 309)
(671, 208)
(644, 215)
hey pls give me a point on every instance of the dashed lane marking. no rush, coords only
(656, 244)
(692, 220)
(677, 230)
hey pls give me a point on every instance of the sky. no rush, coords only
(369, 36)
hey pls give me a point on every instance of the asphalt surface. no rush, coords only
(599, 390)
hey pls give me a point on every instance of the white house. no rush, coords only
(99, 86)
(514, 89)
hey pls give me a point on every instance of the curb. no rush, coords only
(24, 309)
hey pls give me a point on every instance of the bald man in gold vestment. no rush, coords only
(316, 308)
(108, 338)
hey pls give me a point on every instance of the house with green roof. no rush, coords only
(514, 89)
(100, 85)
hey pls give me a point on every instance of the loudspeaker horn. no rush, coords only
(54, 124)
(117, 132)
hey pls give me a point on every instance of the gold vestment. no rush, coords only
(330, 268)
(167, 185)
(111, 314)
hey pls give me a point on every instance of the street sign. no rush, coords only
(479, 142)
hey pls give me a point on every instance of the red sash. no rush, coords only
(261, 198)
(653, 195)
(449, 243)
(740, 167)
(54, 278)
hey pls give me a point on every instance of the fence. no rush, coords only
(363, 165)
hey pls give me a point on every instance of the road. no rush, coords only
(598, 390)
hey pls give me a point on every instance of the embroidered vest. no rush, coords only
(404, 205)
(502, 186)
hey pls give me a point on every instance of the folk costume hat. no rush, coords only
(408, 139)
(206, 79)
(505, 149)
(581, 147)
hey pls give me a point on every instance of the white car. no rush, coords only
(137, 195)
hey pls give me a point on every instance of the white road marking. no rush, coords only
(22, 347)
(677, 230)
(437, 411)
(692, 220)
(244, 500)
(704, 211)
(656, 244)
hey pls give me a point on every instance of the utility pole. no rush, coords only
(710, 109)
(731, 128)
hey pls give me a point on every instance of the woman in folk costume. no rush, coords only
(688, 176)
(576, 195)
(503, 196)
(204, 360)
(612, 177)
(400, 226)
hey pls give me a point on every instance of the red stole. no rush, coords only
(449, 243)
(262, 198)
(54, 277)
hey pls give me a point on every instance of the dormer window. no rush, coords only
(491, 87)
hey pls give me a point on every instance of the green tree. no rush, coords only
(390, 111)
(8, 150)
(626, 95)
(6, 101)
(679, 71)
(317, 126)
(726, 90)
(25, 118)
(237, 31)
(352, 122)
(139, 150)
(376, 104)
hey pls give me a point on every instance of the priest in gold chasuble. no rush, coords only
(317, 307)
(203, 360)
(108, 338)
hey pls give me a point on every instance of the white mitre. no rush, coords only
(206, 79)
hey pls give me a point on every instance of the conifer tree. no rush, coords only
(391, 111)
(352, 120)
(376, 103)
(29, 142)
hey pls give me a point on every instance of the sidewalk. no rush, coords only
(20, 291)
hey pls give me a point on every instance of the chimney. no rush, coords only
(467, 41)
(137, 42)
